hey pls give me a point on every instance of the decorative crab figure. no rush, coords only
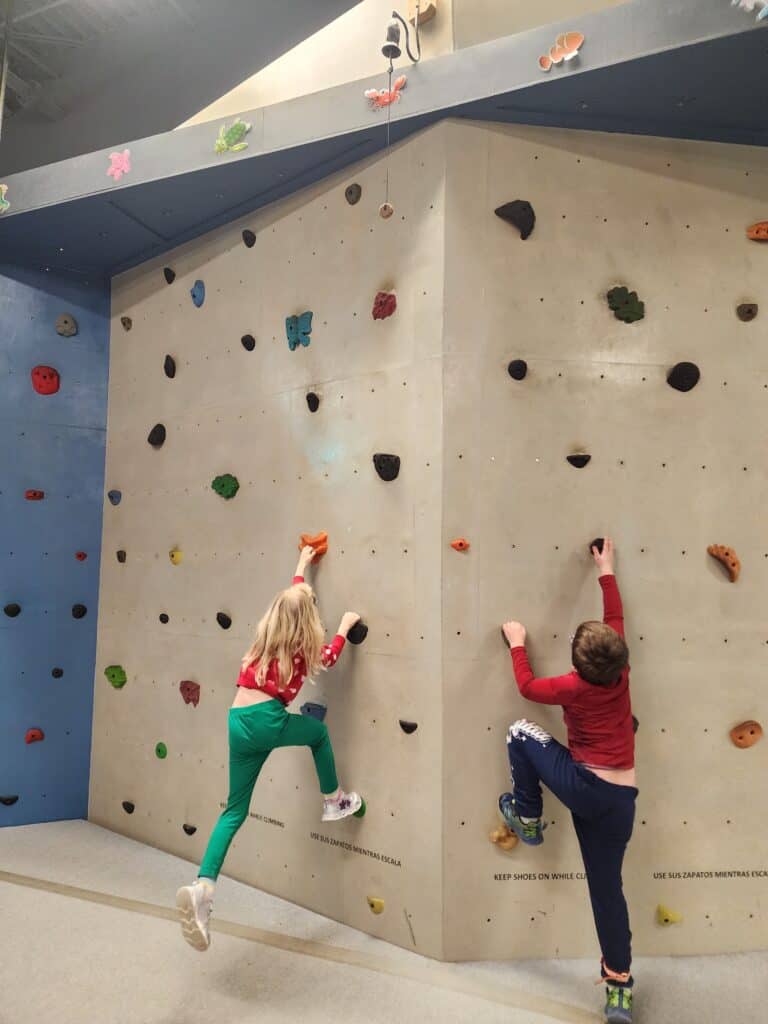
(761, 6)
(380, 98)
(121, 164)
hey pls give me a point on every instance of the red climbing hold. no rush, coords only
(460, 544)
(34, 736)
(190, 692)
(81, 556)
(384, 305)
(45, 380)
(34, 495)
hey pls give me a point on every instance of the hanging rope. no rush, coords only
(4, 72)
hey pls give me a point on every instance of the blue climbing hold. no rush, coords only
(298, 329)
(312, 710)
(115, 497)
(197, 291)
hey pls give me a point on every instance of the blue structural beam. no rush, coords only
(689, 68)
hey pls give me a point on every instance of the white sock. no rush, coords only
(529, 821)
(332, 796)
(209, 882)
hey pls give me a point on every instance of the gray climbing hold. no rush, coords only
(598, 543)
(66, 325)
(126, 322)
(747, 312)
(57, 673)
(164, 618)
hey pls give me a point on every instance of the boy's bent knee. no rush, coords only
(523, 730)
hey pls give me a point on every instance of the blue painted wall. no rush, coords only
(55, 444)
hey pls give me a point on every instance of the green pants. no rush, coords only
(254, 732)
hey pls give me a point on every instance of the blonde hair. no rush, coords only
(599, 654)
(290, 627)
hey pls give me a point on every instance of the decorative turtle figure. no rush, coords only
(230, 140)
(4, 204)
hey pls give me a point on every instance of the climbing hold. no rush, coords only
(598, 543)
(190, 692)
(121, 556)
(758, 232)
(115, 497)
(248, 342)
(163, 617)
(625, 305)
(120, 164)
(386, 210)
(223, 620)
(728, 557)
(190, 829)
(175, 556)
(684, 376)
(358, 633)
(580, 460)
(156, 436)
(66, 325)
(34, 495)
(313, 401)
(387, 466)
(424, 10)
(384, 305)
(380, 98)
(161, 751)
(376, 905)
(34, 736)
(79, 611)
(169, 275)
(231, 139)
(81, 556)
(12, 610)
(666, 916)
(8, 801)
(504, 838)
(363, 808)
(635, 724)
(567, 46)
(169, 367)
(57, 673)
(128, 807)
(4, 203)
(298, 330)
(45, 380)
(116, 675)
(460, 544)
(249, 239)
(746, 312)
(747, 734)
(517, 369)
(319, 542)
(520, 214)
(126, 322)
(197, 291)
(352, 193)
(226, 486)
(408, 727)
(312, 710)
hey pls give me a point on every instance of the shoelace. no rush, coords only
(619, 998)
(534, 731)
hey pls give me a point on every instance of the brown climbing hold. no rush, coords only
(747, 734)
(504, 838)
(190, 692)
(126, 322)
(460, 544)
(319, 542)
(425, 10)
(34, 495)
(249, 239)
(34, 736)
(384, 305)
(45, 380)
(746, 312)
(386, 210)
(727, 556)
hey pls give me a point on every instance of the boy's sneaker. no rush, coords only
(529, 832)
(341, 806)
(618, 1004)
(195, 903)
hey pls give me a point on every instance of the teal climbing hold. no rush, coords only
(116, 675)
(298, 329)
(226, 485)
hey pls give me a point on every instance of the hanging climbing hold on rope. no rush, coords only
(318, 541)
(520, 214)
(66, 325)
(45, 380)
(169, 275)
(387, 466)
(747, 734)
(226, 486)
(157, 436)
(518, 369)
(728, 558)
(190, 692)
(386, 210)
(116, 675)
(460, 544)
(380, 98)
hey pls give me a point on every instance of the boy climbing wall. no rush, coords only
(594, 777)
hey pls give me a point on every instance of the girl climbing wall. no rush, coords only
(289, 646)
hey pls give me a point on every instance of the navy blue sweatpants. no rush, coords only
(603, 815)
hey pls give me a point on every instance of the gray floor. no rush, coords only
(89, 936)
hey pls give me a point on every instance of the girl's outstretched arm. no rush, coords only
(305, 558)
(330, 652)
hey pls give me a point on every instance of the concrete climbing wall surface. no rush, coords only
(670, 473)
(53, 392)
(244, 411)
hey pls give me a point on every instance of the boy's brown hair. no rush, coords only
(599, 654)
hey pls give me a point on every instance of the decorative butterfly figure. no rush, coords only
(298, 329)
(751, 5)
(380, 98)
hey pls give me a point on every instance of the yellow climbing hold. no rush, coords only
(666, 916)
(175, 556)
(376, 905)
(504, 838)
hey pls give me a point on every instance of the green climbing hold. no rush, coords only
(360, 813)
(625, 305)
(116, 675)
(231, 140)
(226, 485)
(161, 751)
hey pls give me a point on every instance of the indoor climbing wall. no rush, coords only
(210, 384)
(669, 473)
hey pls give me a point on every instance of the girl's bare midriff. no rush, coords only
(618, 776)
(245, 697)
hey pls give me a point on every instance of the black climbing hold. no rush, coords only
(12, 610)
(313, 401)
(352, 193)
(387, 466)
(190, 829)
(597, 543)
(157, 436)
(520, 214)
(249, 239)
(8, 801)
(126, 322)
(79, 611)
(684, 376)
(223, 620)
(128, 807)
(635, 724)
(115, 497)
(164, 618)
(517, 369)
(408, 727)
(57, 673)
(169, 275)
(579, 461)
(169, 367)
(121, 557)
(358, 633)
(746, 312)
(248, 342)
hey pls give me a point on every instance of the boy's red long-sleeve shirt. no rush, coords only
(598, 718)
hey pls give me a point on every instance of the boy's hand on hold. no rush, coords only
(604, 559)
(515, 633)
(348, 620)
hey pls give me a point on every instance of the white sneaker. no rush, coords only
(344, 805)
(196, 903)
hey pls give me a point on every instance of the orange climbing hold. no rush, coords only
(758, 232)
(566, 47)
(460, 544)
(504, 838)
(747, 734)
(727, 556)
(319, 542)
